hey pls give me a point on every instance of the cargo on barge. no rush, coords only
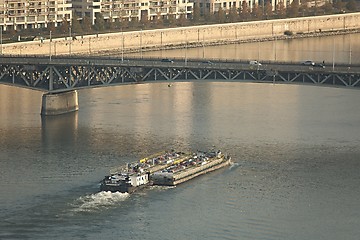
(132, 176)
(200, 163)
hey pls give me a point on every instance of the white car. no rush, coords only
(308, 63)
(255, 63)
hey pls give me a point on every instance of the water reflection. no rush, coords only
(59, 130)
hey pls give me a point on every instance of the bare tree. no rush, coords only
(244, 11)
(233, 16)
(75, 26)
(220, 15)
(196, 13)
(328, 8)
(99, 22)
(171, 17)
(86, 24)
(351, 6)
(339, 6)
(304, 7)
(281, 10)
(256, 12)
(64, 28)
(182, 20)
(159, 20)
(268, 10)
(293, 9)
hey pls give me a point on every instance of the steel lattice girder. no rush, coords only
(63, 77)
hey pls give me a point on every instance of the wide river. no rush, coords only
(338, 49)
(295, 176)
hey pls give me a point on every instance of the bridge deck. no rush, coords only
(68, 73)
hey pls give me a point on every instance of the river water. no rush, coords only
(295, 176)
(337, 49)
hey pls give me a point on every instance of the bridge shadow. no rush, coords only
(60, 130)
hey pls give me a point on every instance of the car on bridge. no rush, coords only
(308, 63)
(255, 63)
(207, 62)
(167, 60)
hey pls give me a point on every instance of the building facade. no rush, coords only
(130, 10)
(212, 6)
(24, 14)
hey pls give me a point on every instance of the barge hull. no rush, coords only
(190, 173)
(213, 168)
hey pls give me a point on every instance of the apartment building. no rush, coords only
(119, 10)
(24, 14)
(212, 6)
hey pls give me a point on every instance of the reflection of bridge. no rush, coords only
(68, 73)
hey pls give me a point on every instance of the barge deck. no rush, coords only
(199, 164)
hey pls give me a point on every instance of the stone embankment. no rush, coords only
(191, 36)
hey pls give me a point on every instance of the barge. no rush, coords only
(200, 163)
(132, 176)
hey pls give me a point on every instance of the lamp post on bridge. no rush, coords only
(186, 49)
(1, 50)
(122, 48)
(70, 40)
(349, 49)
(333, 63)
(141, 43)
(50, 47)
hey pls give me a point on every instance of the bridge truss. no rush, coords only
(68, 74)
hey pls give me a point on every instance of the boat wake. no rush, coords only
(233, 165)
(98, 201)
(161, 188)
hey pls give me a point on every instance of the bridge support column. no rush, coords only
(59, 103)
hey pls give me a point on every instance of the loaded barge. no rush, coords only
(200, 163)
(135, 175)
(165, 168)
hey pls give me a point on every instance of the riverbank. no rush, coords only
(195, 36)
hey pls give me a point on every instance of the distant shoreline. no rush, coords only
(190, 37)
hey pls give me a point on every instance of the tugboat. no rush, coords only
(133, 176)
(200, 163)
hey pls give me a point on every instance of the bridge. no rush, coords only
(59, 74)
(64, 74)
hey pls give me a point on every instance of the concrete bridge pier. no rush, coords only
(59, 103)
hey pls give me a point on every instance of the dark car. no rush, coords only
(207, 62)
(167, 60)
(321, 65)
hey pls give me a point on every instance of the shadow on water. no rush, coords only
(59, 129)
